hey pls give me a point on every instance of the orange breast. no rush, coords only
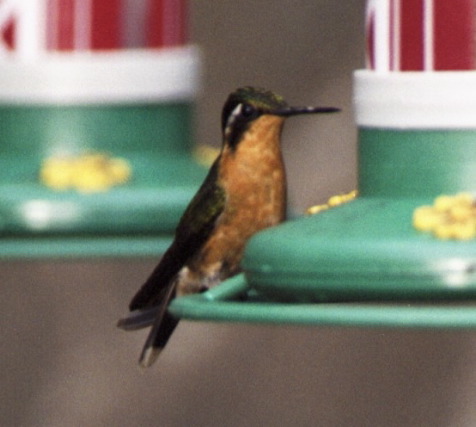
(253, 177)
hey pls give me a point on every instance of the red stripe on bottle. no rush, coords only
(8, 35)
(411, 42)
(370, 40)
(63, 25)
(106, 24)
(166, 23)
(454, 28)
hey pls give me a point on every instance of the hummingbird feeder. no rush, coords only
(96, 136)
(377, 260)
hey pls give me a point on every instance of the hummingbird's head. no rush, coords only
(247, 104)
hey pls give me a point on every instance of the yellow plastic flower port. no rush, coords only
(332, 202)
(88, 173)
(450, 217)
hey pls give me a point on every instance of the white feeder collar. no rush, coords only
(415, 100)
(122, 76)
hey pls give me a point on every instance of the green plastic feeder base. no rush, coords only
(83, 247)
(364, 250)
(152, 202)
(234, 301)
(155, 139)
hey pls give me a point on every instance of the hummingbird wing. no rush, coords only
(149, 305)
(193, 230)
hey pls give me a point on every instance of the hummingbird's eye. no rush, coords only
(248, 110)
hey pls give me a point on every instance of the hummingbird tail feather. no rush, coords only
(163, 326)
(157, 339)
(138, 319)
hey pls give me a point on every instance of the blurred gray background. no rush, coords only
(64, 363)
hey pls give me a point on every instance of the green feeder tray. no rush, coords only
(73, 105)
(235, 301)
(363, 263)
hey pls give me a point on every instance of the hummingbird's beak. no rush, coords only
(294, 111)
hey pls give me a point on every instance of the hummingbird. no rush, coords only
(243, 193)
